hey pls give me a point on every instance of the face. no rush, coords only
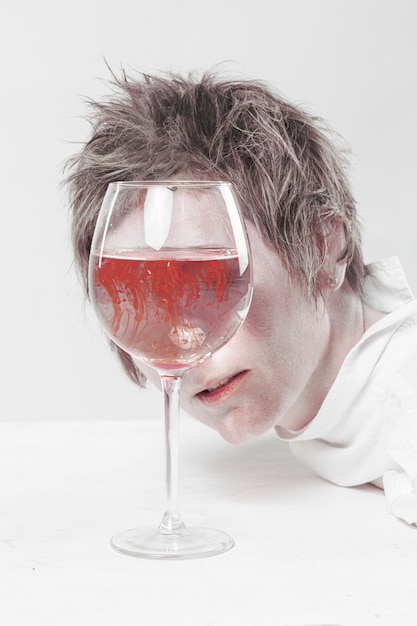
(262, 375)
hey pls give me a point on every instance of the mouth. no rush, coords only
(223, 387)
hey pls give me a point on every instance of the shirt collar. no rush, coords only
(386, 287)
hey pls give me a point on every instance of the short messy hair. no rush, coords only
(286, 166)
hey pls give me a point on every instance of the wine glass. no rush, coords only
(170, 282)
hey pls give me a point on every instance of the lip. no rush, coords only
(221, 388)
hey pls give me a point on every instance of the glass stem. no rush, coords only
(171, 523)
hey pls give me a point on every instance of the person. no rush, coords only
(327, 355)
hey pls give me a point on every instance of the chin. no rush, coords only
(238, 425)
(235, 433)
(236, 439)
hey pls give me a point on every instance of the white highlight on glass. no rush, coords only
(237, 227)
(157, 216)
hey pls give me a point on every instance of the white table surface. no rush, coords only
(307, 552)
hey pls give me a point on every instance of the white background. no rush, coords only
(351, 61)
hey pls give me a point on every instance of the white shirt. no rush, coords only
(366, 428)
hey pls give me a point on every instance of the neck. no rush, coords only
(348, 317)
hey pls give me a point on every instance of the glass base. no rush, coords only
(153, 543)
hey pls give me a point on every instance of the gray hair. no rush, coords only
(285, 165)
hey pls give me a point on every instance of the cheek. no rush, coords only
(264, 314)
(271, 329)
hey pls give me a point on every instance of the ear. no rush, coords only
(333, 271)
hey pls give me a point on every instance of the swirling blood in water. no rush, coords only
(161, 308)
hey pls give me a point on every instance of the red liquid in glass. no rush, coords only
(168, 310)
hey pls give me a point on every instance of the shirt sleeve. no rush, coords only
(400, 484)
(401, 495)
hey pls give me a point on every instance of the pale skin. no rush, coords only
(279, 366)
